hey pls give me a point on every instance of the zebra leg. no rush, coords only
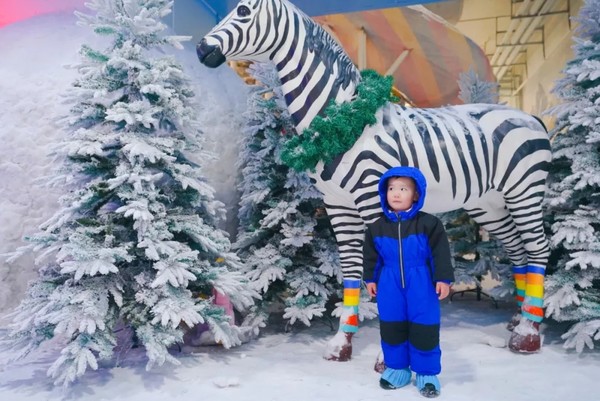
(491, 213)
(526, 211)
(527, 215)
(348, 227)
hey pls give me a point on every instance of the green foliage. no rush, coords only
(332, 135)
(93, 54)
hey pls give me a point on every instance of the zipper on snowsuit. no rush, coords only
(400, 251)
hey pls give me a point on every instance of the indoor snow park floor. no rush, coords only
(289, 367)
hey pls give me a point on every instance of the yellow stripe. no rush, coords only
(350, 301)
(534, 291)
(520, 281)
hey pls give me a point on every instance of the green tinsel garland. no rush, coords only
(326, 137)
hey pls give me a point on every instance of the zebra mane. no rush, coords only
(330, 52)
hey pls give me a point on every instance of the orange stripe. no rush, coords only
(520, 298)
(351, 292)
(535, 279)
(352, 320)
(534, 310)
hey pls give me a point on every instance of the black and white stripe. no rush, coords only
(312, 67)
(490, 160)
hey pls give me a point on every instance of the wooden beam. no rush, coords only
(362, 49)
(397, 62)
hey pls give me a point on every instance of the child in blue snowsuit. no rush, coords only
(407, 265)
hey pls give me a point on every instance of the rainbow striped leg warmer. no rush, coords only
(533, 302)
(520, 276)
(349, 319)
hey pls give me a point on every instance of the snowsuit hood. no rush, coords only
(421, 187)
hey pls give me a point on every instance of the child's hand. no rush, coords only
(372, 289)
(442, 289)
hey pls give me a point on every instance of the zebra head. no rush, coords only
(249, 32)
(305, 55)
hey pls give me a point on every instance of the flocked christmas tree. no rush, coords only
(284, 237)
(135, 244)
(573, 287)
(472, 89)
(476, 254)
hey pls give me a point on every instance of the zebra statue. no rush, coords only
(490, 160)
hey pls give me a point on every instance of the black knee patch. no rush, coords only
(393, 333)
(424, 337)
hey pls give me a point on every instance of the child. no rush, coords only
(409, 278)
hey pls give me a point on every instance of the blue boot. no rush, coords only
(428, 385)
(392, 379)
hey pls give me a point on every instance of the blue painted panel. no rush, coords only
(219, 8)
(324, 7)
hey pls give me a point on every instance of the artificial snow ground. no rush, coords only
(289, 367)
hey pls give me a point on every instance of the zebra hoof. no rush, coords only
(379, 367)
(525, 339)
(340, 348)
(514, 321)
(379, 363)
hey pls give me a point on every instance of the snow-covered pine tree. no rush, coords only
(573, 285)
(284, 235)
(474, 256)
(472, 89)
(136, 242)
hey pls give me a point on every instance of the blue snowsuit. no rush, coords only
(406, 271)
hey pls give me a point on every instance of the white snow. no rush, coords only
(276, 366)
(290, 367)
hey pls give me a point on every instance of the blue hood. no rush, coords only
(411, 172)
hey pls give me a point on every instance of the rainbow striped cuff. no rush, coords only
(533, 302)
(350, 328)
(349, 321)
(351, 292)
(520, 276)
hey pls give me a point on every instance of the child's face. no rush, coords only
(401, 193)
